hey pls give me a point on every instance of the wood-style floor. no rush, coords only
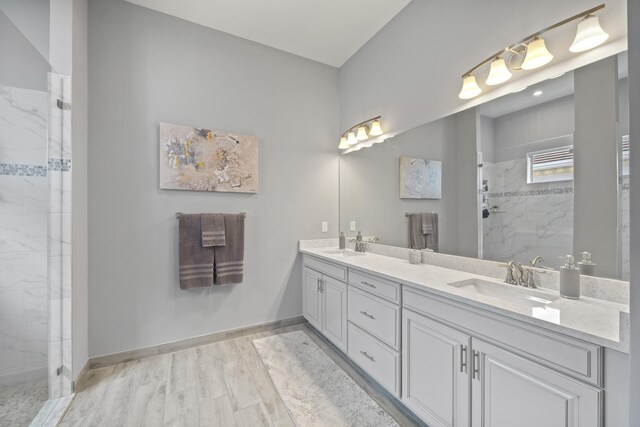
(219, 384)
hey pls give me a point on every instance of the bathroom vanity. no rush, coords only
(459, 348)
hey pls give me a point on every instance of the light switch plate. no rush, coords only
(352, 226)
(325, 226)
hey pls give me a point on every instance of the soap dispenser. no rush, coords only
(343, 241)
(587, 267)
(569, 279)
(359, 237)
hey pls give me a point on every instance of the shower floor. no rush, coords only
(19, 404)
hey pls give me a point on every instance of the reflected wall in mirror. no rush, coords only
(541, 172)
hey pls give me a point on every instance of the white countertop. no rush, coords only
(597, 321)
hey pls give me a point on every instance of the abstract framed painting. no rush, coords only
(195, 159)
(420, 179)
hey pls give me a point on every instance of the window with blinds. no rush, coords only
(555, 164)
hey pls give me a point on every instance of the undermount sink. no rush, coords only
(343, 253)
(515, 294)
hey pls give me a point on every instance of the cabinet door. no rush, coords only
(508, 390)
(334, 314)
(435, 377)
(311, 298)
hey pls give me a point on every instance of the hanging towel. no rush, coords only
(430, 230)
(196, 262)
(416, 236)
(229, 259)
(212, 230)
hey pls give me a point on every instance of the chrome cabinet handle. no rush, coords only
(463, 358)
(370, 316)
(318, 284)
(476, 365)
(371, 285)
(367, 355)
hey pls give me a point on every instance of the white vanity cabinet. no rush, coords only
(509, 390)
(435, 374)
(449, 366)
(324, 300)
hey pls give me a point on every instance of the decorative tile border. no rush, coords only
(60, 165)
(545, 192)
(22, 170)
(63, 165)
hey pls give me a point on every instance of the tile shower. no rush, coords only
(35, 220)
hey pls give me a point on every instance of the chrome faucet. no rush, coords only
(521, 275)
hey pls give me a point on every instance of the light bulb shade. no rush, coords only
(343, 143)
(589, 34)
(362, 133)
(498, 73)
(376, 129)
(537, 55)
(351, 138)
(470, 88)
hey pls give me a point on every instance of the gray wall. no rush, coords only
(634, 114)
(595, 145)
(370, 186)
(467, 138)
(146, 67)
(21, 65)
(515, 132)
(32, 19)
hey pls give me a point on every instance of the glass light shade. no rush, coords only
(537, 55)
(362, 133)
(351, 138)
(343, 144)
(470, 88)
(376, 129)
(498, 73)
(589, 34)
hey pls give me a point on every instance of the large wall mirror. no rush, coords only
(542, 172)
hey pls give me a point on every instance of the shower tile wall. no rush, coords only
(625, 233)
(23, 235)
(532, 219)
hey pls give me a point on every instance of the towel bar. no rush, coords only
(178, 214)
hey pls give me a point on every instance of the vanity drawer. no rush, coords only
(574, 357)
(376, 316)
(328, 268)
(378, 360)
(376, 285)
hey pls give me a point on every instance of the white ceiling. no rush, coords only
(328, 31)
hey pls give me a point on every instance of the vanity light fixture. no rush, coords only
(589, 35)
(354, 138)
(537, 93)
(498, 73)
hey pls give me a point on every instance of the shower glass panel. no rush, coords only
(34, 221)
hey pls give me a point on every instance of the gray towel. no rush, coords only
(416, 236)
(229, 259)
(196, 262)
(430, 230)
(212, 230)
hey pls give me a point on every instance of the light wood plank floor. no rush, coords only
(219, 384)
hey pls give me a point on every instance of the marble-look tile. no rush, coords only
(34, 307)
(59, 268)
(24, 126)
(59, 234)
(60, 191)
(35, 194)
(11, 194)
(23, 232)
(60, 324)
(20, 404)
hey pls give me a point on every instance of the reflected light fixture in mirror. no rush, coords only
(498, 73)
(358, 136)
(589, 34)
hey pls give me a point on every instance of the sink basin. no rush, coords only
(515, 294)
(343, 253)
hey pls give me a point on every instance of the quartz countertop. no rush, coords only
(597, 321)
